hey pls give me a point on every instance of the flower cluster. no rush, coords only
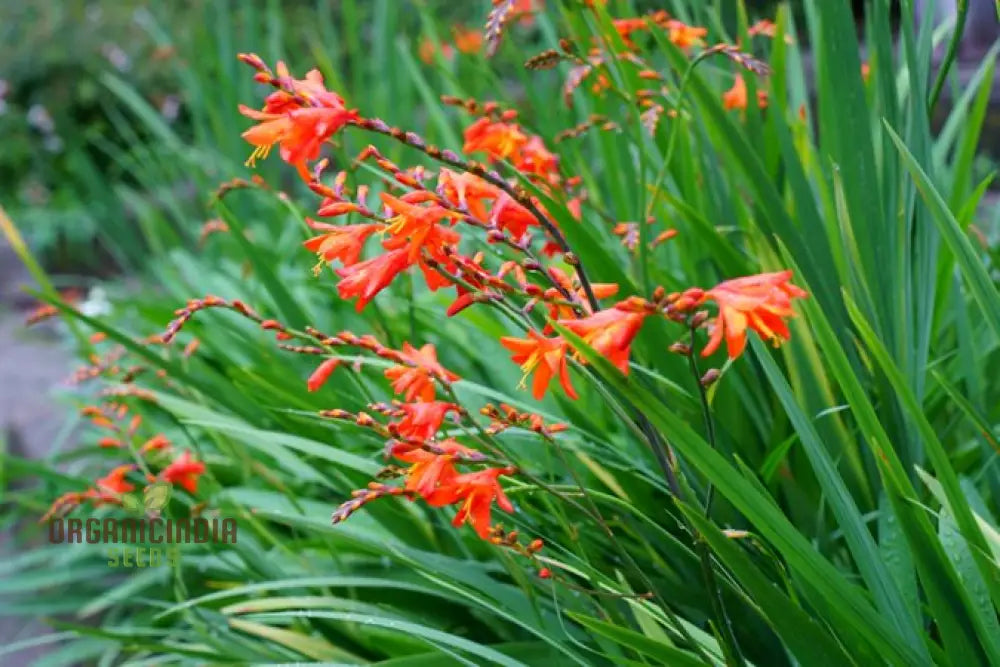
(429, 221)
(155, 452)
(412, 429)
(419, 227)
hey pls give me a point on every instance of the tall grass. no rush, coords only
(836, 498)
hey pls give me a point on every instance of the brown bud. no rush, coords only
(699, 318)
(710, 377)
(682, 349)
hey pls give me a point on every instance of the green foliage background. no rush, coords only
(859, 459)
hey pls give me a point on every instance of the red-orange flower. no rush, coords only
(414, 379)
(427, 50)
(565, 311)
(736, 97)
(340, 242)
(156, 443)
(535, 158)
(477, 491)
(509, 215)
(466, 191)
(467, 40)
(114, 482)
(610, 332)
(545, 357)
(764, 27)
(416, 228)
(299, 123)
(421, 421)
(758, 302)
(366, 279)
(430, 470)
(322, 373)
(184, 471)
(498, 140)
(685, 36)
(625, 27)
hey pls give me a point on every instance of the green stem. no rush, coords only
(724, 625)
(949, 57)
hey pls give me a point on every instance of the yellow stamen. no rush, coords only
(527, 367)
(260, 152)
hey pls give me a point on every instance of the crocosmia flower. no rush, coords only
(545, 357)
(760, 303)
(299, 121)
(414, 379)
(421, 421)
(343, 242)
(610, 332)
(736, 97)
(184, 471)
(429, 470)
(498, 140)
(366, 279)
(114, 481)
(476, 491)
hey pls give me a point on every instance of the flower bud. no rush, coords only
(710, 377)
(682, 349)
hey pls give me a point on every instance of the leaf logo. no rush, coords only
(154, 498)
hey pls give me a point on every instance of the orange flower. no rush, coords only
(322, 373)
(736, 97)
(156, 443)
(477, 491)
(498, 140)
(298, 130)
(430, 470)
(466, 191)
(415, 228)
(535, 158)
(625, 28)
(684, 36)
(509, 215)
(184, 471)
(366, 279)
(421, 421)
(414, 379)
(758, 302)
(562, 311)
(467, 40)
(114, 482)
(525, 10)
(546, 357)
(64, 504)
(427, 50)
(610, 332)
(340, 242)
(764, 27)
(866, 71)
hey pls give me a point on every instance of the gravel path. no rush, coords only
(32, 364)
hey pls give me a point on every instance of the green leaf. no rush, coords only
(665, 653)
(972, 268)
(847, 601)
